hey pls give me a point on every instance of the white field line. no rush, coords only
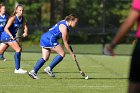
(102, 86)
(85, 66)
(14, 85)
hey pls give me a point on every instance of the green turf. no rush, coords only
(107, 75)
(124, 49)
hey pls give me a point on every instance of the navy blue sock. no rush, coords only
(1, 55)
(55, 61)
(39, 64)
(17, 59)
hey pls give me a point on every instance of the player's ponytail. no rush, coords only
(70, 17)
(19, 5)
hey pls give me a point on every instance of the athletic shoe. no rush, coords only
(20, 71)
(49, 72)
(32, 74)
(2, 58)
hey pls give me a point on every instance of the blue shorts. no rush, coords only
(5, 38)
(48, 41)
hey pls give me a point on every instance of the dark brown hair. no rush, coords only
(70, 17)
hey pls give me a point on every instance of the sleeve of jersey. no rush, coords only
(136, 4)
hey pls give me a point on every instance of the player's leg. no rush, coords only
(15, 46)
(134, 87)
(134, 77)
(58, 49)
(40, 62)
(3, 48)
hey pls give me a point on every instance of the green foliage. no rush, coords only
(32, 11)
(9, 6)
(116, 12)
(45, 18)
(89, 12)
(35, 37)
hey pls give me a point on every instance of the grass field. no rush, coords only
(107, 75)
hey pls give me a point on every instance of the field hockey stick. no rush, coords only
(79, 68)
(19, 37)
(3, 41)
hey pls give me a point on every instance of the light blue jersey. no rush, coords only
(49, 39)
(13, 29)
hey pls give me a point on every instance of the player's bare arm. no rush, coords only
(9, 23)
(64, 32)
(25, 29)
(129, 22)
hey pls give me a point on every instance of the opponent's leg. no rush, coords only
(134, 76)
(134, 87)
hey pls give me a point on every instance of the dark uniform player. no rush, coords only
(134, 16)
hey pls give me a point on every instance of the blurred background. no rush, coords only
(98, 20)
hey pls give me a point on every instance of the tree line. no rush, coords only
(90, 12)
(94, 16)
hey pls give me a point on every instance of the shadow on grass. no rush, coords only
(90, 78)
(3, 69)
(67, 72)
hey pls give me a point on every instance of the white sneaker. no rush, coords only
(20, 71)
(4, 59)
(49, 71)
(32, 74)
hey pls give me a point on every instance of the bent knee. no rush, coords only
(62, 54)
(45, 58)
(18, 49)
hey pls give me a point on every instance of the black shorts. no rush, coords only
(134, 75)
